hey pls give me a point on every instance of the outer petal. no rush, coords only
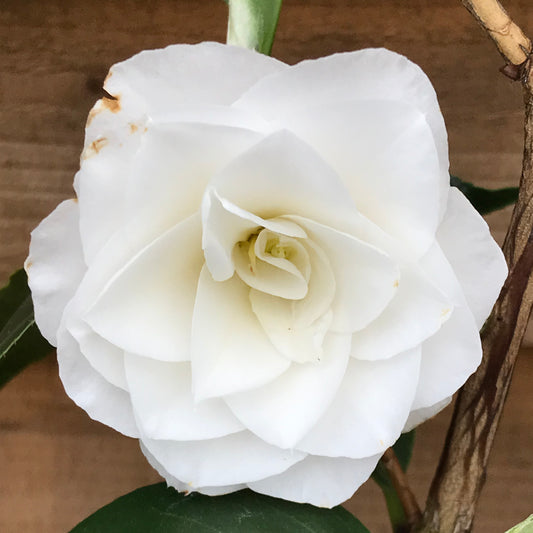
(448, 359)
(230, 460)
(384, 152)
(415, 313)
(104, 357)
(164, 407)
(282, 175)
(283, 411)
(147, 307)
(184, 74)
(425, 413)
(475, 257)
(365, 277)
(112, 136)
(90, 391)
(182, 487)
(55, 266)
(321, 481)
(372, 74)
(370, 409)
(229, 350)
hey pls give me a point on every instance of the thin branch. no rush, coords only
(462, 469)
(514, 46)
(412, 511)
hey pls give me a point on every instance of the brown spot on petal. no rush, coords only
(109, 103)
(28, 265)
(113, 104)
(133, 128)
(94, 148)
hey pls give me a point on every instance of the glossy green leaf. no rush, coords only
(158, 509)
(485, 200)
(404, 451)
(21, 343)
(252, 23)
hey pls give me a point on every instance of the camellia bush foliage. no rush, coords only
(268, 277)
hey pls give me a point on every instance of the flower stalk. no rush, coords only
(462, 469)
(398, 477)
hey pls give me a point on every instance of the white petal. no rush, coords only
(182, 487)
(283, 411)
(386, 156)
(147, 307)
(90, 391)
(282, 175)
(437, 268)
(230, 460)
(229, 350)
(184, 74)
(415, 313)
(418, 416)
(112, 136)
(365, 277)
(365, 75)
(225, 224)
(298, 341)
(370, 409)
(448, 359)
(475, 257)
(104, 357)
(55, 266)
(320, 481)
(211, 114)
(164, 407)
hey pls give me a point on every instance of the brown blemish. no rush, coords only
(113, 104)
(94, 147)
(396, 284)
(28, 265)
(133, 128)
(75, 200)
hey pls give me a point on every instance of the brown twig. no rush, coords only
(514, 46)
(462, 469)
(412, 511)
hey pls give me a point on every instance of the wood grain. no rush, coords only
(57, 465)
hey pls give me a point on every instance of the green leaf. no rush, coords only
(21, 343)
(252, 23)
(524, 527)
(404, 451)
(159, 509)
(486, 200)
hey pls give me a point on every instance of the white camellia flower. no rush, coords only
(266, 276)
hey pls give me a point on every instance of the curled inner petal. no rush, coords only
(274, 264)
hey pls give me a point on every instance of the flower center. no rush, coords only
(273, 263)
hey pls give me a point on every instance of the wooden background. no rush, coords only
(56, 465)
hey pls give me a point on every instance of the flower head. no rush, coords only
(266, 277)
